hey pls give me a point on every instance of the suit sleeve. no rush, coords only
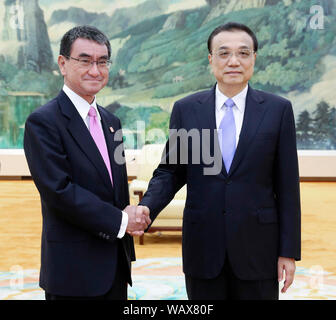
(51, 172)
(170, 175)
(287, 190)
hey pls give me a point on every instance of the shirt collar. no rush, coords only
(239, 99)
(80, 104)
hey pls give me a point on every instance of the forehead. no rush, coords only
(232, 39)
(89, 47)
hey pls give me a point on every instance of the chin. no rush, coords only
(234, 76)
(233, 81)
(94, 88)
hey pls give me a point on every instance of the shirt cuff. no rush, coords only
(123, 226)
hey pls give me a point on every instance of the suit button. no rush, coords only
(229, 182)
(107, 237)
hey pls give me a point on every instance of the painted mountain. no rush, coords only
(160, 55)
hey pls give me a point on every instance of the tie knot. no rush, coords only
(92, 112)
(229, 103)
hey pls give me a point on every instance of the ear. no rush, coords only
(61, 64)
(255, 56)
(210, 58)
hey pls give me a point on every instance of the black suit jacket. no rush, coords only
(81, 210)
(252, 213)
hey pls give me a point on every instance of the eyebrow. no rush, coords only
(85, 55)
(241, 47)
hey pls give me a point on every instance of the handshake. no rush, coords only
(138, 219)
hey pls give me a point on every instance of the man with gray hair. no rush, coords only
(241, 225)
(69, 145)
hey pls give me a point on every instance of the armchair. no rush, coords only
(170, 218)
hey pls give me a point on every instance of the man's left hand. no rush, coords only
(287, 265)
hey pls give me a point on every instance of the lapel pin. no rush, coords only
(111, 129)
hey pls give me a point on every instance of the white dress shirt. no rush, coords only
(83, 108)
(238, 110)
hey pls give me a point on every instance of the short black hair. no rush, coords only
(84, 32)
(233, 26)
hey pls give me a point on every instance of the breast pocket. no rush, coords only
(265, 143)
(266, 136)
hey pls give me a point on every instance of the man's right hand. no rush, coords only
(138, 219)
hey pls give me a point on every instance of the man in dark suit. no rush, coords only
(75, 155)
(241, 222)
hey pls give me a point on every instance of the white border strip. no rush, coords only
(312, 163)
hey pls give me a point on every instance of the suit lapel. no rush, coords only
(112, 137)
(81, 134)
(205, 112)
(254, 112)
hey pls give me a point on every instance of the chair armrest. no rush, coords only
(138, 185)
(137, 188)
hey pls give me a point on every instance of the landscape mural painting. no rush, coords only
(159, 55)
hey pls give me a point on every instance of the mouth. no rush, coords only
(233, 72)
(93, 80)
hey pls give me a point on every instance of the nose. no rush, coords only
(94, 70)
(233, 61)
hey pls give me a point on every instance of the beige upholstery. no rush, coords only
(147, 162)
